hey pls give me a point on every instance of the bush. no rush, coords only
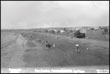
(105, 31)
(78, 34)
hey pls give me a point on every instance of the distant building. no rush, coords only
(96, 28)
(61, 31)
(88, 28)
(77, 28)
(83, 30)
(55, 30)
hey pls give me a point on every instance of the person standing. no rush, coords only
(77, 48)
(48, 45)
(53, 45)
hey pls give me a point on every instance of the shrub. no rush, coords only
(78, 34)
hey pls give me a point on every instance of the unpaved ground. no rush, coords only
(29, 50)
(14, 53)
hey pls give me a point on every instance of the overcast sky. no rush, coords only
(42, 14)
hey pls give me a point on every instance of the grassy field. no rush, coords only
(28, 50)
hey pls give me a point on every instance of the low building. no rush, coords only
(83, 30)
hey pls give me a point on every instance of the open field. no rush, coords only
(28, 50)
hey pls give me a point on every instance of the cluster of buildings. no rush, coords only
(90, 32)
(55, 31)
(82, 29)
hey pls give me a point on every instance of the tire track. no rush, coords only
(16, 60)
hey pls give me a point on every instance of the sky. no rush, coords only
(45, 14)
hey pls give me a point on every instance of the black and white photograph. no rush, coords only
(54, 36)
